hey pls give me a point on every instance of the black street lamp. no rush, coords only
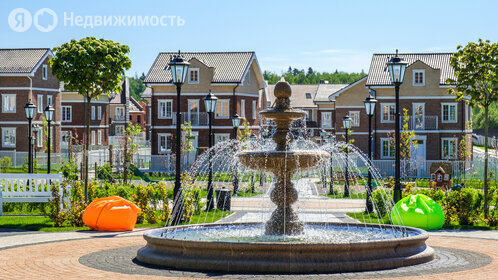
(346, 123)
(323, 134)
(30, 108)
(370, 103)
(49, 116)
(397, 67)
(331, 187)
(235, 123)
(179, 69)
(210, 103)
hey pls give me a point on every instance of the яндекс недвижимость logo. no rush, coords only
(20, 20)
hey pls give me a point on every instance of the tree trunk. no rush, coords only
(87, 144)
(125, 159)
(486, 112)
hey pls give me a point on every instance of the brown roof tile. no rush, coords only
(20, 61)
(378, 75)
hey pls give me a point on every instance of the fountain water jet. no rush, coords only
(288, 245)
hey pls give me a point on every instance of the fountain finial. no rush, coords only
(282, 92)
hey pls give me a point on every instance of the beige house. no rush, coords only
(234, 77)
(438, 121)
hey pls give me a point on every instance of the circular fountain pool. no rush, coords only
(322, 248)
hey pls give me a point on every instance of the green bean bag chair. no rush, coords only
(418, 211)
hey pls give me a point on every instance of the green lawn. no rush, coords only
(43, 223)
(369, 218)
(352, 196)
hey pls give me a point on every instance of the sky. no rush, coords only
(325, 35)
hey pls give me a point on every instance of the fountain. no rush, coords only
(285, 244)
(283, 163)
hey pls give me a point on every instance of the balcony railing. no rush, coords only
(193, 118)
(421, 123)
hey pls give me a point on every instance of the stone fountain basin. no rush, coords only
(285, 257)
(282, 161)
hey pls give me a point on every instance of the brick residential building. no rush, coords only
(438, 121)
(25, 75)
(73, 116)
(234, 77)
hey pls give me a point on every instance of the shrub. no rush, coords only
(464, 206)
(5, 163)
(104, 172)
(69, 170)
(383, 202)
(56, 212)
(78, 205)
(25, 166)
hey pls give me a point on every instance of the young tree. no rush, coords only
(91, 67)
(406, 137)
(476, 72)
(130, 148)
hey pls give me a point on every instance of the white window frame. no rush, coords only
(329, 124)
(6, 96)
(221, 135)
(117, 116)
(64, 110)
(119, 130)
(455, 104)
(39, 102)
(4, 131)
(422, 71)
(243, 108)
(44, 71)
(160, 113)
(39, 137)
(159, 147)
(382, 156)
(254, 106)
(353, 123)
(220, 101)
(455, 148)
(99, 137)
(50, 99)
(93, 113)
(93, 137)
(382, 105)
(190, 70)
(99, 113)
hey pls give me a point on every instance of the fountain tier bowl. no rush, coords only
(282, 161)
(187, 248)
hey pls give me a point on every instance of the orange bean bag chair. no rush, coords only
(111, 214)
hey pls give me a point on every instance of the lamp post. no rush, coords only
(397, 67)
(235, 123)
(29, 109)
(179, 69)
(370, 103)
(210, 103)
(253, 141)
(346, 123)
(323, 134)
(49, 115)
(331, 187)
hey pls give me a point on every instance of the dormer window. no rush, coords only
(44, 71)
(419, 77)
(193, 76)
(308, 95)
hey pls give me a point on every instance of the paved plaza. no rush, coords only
(460, 254)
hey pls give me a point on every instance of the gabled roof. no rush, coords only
(147, 93)
(378, 75)
(298, 98)
(120, 98)
(334, 95)
(326, 90)
(134, 105)
(230, 67)
(21, 61)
